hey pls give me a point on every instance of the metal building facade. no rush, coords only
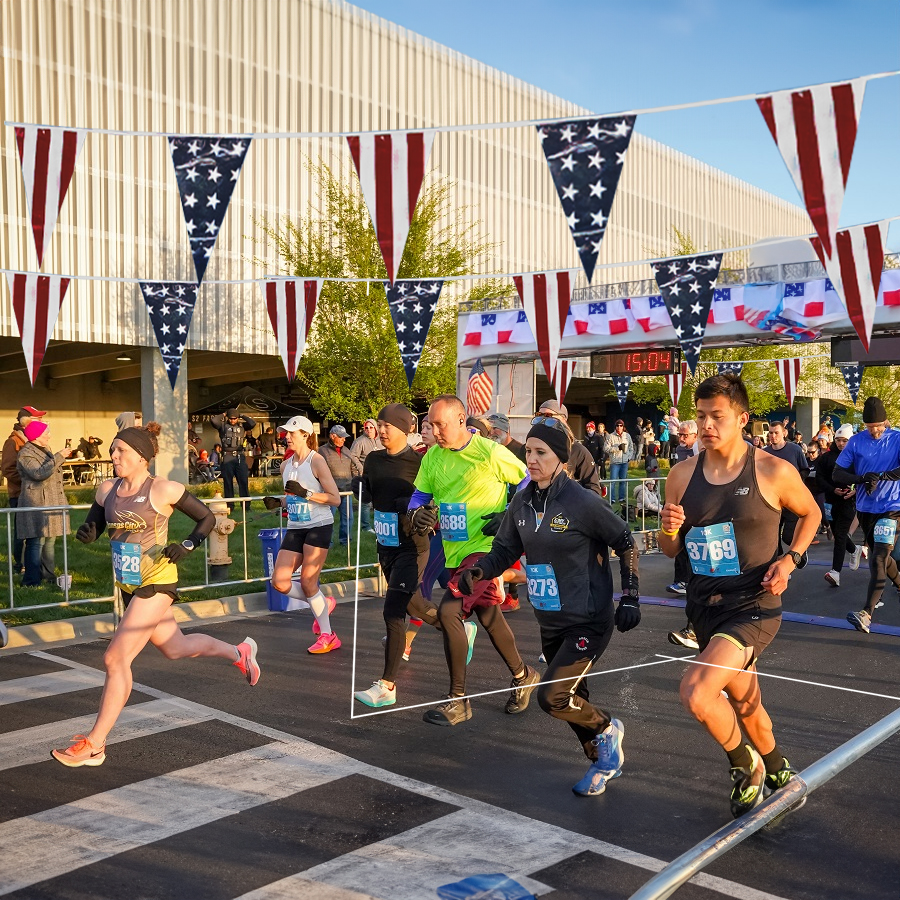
(238, 66)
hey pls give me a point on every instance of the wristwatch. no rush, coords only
(187, 544)
(800, 559)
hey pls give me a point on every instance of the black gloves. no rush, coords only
(87, 533)
(175, 552)
(423, 519)
(468, 578)
(271, 503)
(628, 613)
(870, 480)
(492, 523)
(297, 489)
(94, 524)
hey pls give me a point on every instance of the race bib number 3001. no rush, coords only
(712, 550)
(386, 529)
(543, 590)
(126, 562)
(454, 522)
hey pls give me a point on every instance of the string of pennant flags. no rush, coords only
(814, 129)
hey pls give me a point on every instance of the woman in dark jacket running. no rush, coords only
(566, 533)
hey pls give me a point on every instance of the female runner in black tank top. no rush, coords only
(150, 593)
(723, 507)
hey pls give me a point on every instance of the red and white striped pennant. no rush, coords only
(815, 130)
(676, 382)
(562, 377)
(48, 157)
(391, 167)
(546, 297)
(291, 304)
(789, 372)
(855, 271)
(36, 300)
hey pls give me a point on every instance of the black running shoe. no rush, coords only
(521, 691)
(747, 785)
(452, 712)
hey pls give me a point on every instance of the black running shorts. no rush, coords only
(295, 538)
(150, 590)
(750, 624)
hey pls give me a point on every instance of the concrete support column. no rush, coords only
(159, 403)
(806, 411)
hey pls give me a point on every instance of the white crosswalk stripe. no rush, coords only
(35, 687)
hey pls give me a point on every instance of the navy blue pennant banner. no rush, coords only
(735, 367)
(621, 384)
(171, 306)
(412, 305)
(853, 379)
(206, 170)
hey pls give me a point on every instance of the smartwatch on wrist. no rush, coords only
(800, 559)
(187, 544)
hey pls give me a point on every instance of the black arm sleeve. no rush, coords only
(628, 563)
(891, 475)
(845, 477)
(199, 512)
(95, 521)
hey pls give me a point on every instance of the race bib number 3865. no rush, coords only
(712, 550)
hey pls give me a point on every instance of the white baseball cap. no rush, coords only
(298, 423)
(845, 431)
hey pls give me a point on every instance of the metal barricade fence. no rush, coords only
(639, 506)
(6, 521)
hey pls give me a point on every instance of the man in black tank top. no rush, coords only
(724, 508)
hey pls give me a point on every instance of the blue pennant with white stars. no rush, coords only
(171, 306)
(621, 383)
(853, 379)
(207, 170)
(734, 367)
(585, 158)
(412, 305)
(687, 284)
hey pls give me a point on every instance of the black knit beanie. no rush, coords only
(874, 411)
(399, 416)
(555, 438)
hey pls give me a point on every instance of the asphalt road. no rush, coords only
(218, 790)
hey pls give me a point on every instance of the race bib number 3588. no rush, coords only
(454, 522)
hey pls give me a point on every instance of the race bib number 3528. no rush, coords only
(126, 562)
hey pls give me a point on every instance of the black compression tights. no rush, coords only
(881, 564)
(456, 646)
(396, 604)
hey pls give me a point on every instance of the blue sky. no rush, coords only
(609, 56)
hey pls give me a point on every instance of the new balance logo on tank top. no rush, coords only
(730, 535)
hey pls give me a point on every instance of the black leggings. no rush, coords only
(456, 647)
(396, 605)
(841, 519)
(571, 654)
(881, 564)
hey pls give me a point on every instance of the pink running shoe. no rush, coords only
(81, 753)
(247, 662)
(325, 644)
(332, 603)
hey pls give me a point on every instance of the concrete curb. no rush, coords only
(91, 628)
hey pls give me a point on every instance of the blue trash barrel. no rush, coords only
(270, 538)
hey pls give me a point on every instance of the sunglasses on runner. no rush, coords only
(550, 422)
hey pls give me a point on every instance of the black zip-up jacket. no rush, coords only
(825, 479)
(575, 535)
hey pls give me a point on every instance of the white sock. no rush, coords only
(319, 605)
(298, 598)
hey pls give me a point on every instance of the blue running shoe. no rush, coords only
(610, 755)
(471, 631)
(594, 781)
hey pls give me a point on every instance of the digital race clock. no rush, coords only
(635, 362)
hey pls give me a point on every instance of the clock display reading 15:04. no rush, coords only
(635, 362)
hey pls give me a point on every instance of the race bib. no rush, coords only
(543, 591)
(885, 531)
(712, 550)
(454, 522)
(297, 510)
(126, 562)
(387, 529)
(827, 507)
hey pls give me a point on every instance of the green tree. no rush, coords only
(351, 366)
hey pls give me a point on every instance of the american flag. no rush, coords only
(676, 382)
(562, 378)
(479, 391)
(412, 305)
(390, 169)
(815, 130)
(650, 312)
(789, 372)
(585, 160)
(171, 306)
(206, 170)
(687, 286)
(853, 379)
(36, 300)
(291, 304)
(48, 157)
(727, 305)
(546, 297)
(621, 383)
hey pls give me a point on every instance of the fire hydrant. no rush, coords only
(219, 560)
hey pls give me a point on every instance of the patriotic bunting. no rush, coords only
(676, 382)
(585, 159)
(48, 157)
(853, 379)
(206, 171)
(391, 168)
(412, 305)
(687, 286)
(621, 383)
(291, 304)
(815, 130)
(546, 296)
(855, 271)
(789, 372)
(36, 300)
(171, 306)
(562, 377)
(479, 391)
(735, 367)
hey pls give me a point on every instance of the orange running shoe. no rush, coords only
(81, 753)
(247, 662)
(325, 643)
(332, 603)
